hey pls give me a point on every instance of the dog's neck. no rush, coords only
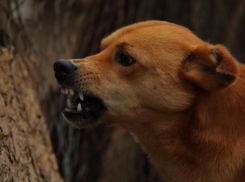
(184, 141)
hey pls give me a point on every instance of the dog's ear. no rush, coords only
(210, 67)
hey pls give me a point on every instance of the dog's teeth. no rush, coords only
(69, 104)
(81, 96)
(66, 91)
(71, 92)
(79, 107)
(62, 91)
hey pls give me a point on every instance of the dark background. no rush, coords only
(48, 30)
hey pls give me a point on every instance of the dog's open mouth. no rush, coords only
(83, 109)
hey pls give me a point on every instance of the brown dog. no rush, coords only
(181, 97)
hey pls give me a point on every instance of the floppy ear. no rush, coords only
(210, 67)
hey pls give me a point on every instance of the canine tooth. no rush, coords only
(81, 96)
(71, 92)
(79, 107)
(66, 91)
(69, 104)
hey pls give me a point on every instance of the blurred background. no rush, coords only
(47, 30)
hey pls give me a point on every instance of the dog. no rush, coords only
(182, 98)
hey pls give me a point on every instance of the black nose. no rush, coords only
(63, 69)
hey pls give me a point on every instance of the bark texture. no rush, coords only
(25, 148)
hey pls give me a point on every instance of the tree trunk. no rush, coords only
(25, 148)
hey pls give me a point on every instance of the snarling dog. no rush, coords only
(183, 98)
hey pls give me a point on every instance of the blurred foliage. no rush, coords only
(49, 30)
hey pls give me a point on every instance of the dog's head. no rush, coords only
(145, 69)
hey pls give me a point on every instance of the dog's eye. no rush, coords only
(124, 59)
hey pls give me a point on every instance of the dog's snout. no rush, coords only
(63, 69)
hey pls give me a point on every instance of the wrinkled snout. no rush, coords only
(63, 70)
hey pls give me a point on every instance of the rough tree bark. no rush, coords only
(25, 148)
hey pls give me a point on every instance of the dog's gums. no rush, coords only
(182, 98)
